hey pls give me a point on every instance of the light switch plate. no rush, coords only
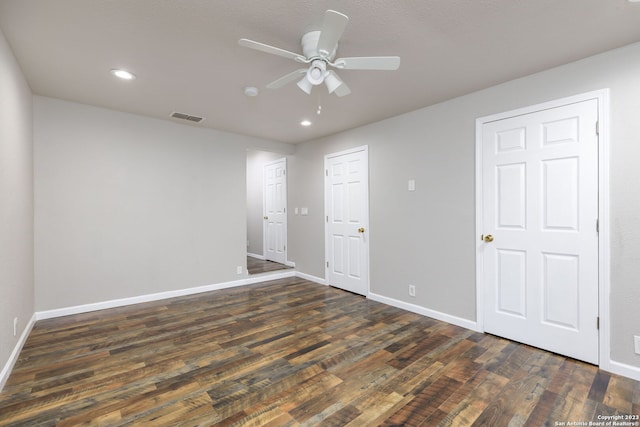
(636, 341)
(304, 211)
(411, 185)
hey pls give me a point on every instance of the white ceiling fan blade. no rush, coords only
(271, 49)
(332, 28)
(368, 63)
(294, 75)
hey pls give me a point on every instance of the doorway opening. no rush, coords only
(266, 212)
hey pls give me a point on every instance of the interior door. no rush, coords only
(347, 220)
(275, 211)
(539, 216)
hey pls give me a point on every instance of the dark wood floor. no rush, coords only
(255, 266)
(290, 352)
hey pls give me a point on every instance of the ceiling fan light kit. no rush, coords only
(305, 85)
(332, 82)
(319, 49)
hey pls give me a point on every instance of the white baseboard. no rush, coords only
(256, 256)
(311, 278)
(454, 320)
(8, 367)
(614, 367)
(85, 308)
(622, 369)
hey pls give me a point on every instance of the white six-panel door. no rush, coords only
(275, 211)
(539, 249)
(347, 220)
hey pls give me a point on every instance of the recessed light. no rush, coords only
(305, 123)
(123, 74)
(251, 91)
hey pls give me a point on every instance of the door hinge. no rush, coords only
(327, 264)
(326, 172)
(598, 225)
(327, 218)
(284, 247)
(598, 127)
(598, 322)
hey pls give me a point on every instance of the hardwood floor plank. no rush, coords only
(471, 407)
(574, 393)
(620, 394)
(415, 352)
(375, 407)
(599, 386)
(425, 403)
(514, 401)
(342, 417)
(287, 353)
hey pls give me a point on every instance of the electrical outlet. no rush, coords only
(636, 342)
(412, 291)
(15, 326)
(239, 269)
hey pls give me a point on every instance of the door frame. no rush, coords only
(264, 208)
(602, 96)
(327, 239)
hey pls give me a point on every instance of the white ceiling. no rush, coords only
(187, 59)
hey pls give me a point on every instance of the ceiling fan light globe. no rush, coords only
(317, 72)
(332, 82)
(315, 76)
(305, 85)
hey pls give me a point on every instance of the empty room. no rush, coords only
(297, 213)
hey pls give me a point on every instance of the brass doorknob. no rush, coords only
(361, 230)
(266, 217)
(488, 238)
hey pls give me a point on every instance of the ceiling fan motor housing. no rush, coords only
(310, 46)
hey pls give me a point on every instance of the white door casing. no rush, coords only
(275, 211)
(538, 280)
(347, 220)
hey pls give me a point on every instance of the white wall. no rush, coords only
(255, 214)
(128, 206)
(16, 202)
(427, 237)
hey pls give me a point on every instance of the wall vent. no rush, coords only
(189, 117)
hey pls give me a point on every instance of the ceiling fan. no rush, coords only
(319, 50)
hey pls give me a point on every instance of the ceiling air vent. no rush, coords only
(183, 116)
